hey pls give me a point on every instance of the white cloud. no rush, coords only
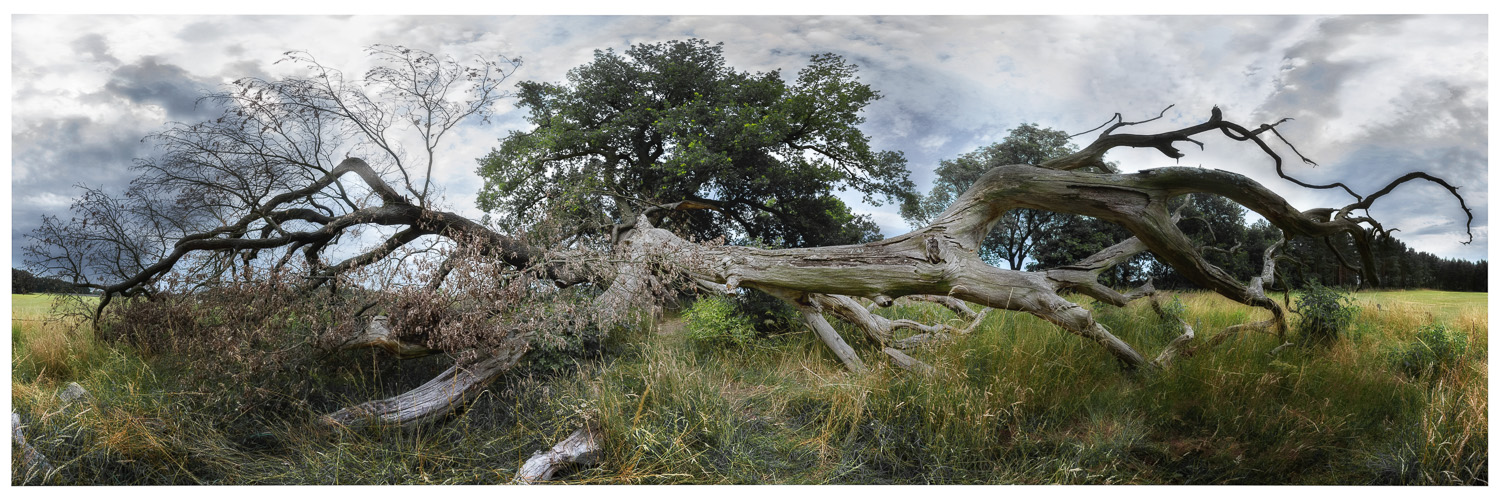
(951, 84)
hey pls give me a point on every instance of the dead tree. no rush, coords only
(270, 190)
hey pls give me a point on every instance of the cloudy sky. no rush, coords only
(1372, 97)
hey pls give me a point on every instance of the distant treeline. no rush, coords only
(1218, 226)
(24, 282)
(1397, 266)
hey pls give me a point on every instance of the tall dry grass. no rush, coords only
(1019, 401)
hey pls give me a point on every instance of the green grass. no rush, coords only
(1444, 306)
(37, 306)
(1017, 402)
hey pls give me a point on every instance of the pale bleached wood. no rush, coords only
(907, 362)
(30, 457)
(580, 447)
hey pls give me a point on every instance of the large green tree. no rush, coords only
(671, 122)
(1015, 238)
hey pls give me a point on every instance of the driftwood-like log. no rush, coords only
(581, 447)
(812, 316)
(30, 457)
(893, 267)
(1175, 347)
(831, 338)
(907, 362)
(434, 399)
(955, 305)
(379, 335)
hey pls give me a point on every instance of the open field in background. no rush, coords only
(1444, 306)
(1016, 402)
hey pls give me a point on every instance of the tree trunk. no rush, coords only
(434, 399)
(31, 459)
(379, 335)
(908, 363)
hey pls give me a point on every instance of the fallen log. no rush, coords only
(581, 447)
(31, 459)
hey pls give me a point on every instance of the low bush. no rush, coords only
(713, 320)
(1436, 347)
(767, 314)
(1325, 313)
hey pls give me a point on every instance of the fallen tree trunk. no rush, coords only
(938, 260)
(434, 399)
(31, 459)
(908, 363)
(380, 336)
(580, 447)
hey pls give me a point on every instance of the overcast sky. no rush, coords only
(1372, 97)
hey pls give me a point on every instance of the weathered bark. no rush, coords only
(580, 447)
(907, 362)
(955, 305)
(928, 261)
(831, 338)
(1257, 288)
(379, 335)
(30, 457)
(434, 399)
(877, 328)
(941, 259)
(1175, 347)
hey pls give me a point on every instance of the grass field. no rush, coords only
(1016, 402)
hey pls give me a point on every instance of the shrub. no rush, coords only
(1171, 315)
(714, 320)
(767, 314)
(1436, 347)
(1325, 312)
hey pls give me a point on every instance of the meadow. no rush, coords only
(1018, 401)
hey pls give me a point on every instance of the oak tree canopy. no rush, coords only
(670, 123)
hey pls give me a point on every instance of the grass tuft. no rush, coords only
(1018, 401)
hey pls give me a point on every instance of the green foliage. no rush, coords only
(1325, 313)
(1437, 347)
(670, 122)
(769, 314)
(713, 320)
(1171, 313)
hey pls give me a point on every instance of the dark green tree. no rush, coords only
(671, 122)
(1016, 236)
(1217, 226)
(20, 281)
(1074, 237)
